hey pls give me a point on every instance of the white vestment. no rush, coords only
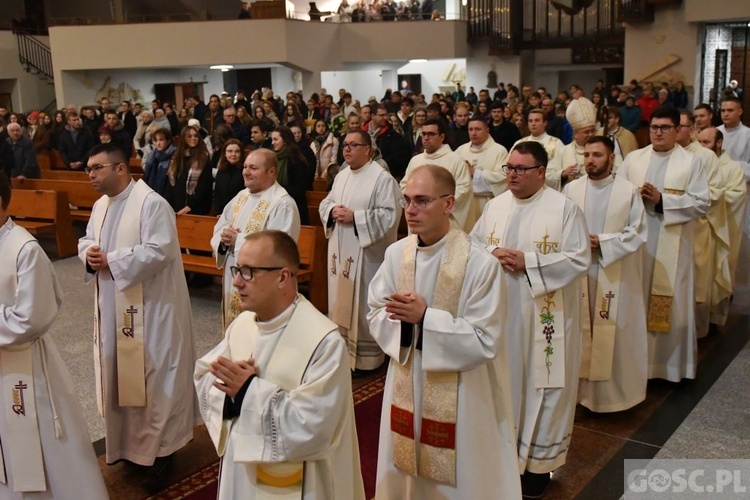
(672, 354)
(446, 158)
(626, 386)
(372, 194)
(70, 466)
(737, 146)
(278, 211)
(489, 179)
(471, 344)
(165, 424)
(313, 423)
(572, 154)
(554, 148)
(735, 199)
(544, 415)
(711, 240)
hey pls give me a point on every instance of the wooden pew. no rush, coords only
(56, 161)
(45, 212)
(195, 231)
(81, 195)
(73, 175)
(313, 203)
(44, 160)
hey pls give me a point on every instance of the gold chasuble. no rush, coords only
(437, 439)
(668, 246)
(131, 376)
(544, 235)
(286, 368)
(598, 345)
(22, 444)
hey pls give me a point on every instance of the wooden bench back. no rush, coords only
(195, 231)
(306, 246)
(313, 203)
(36, 204)
(80, 193)
(71, 175)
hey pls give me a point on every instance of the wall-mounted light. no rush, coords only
(417, 60)
(222, 67)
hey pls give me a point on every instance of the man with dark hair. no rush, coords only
(120, 136)
(260, 134)
(704, 116)
(128, 119)
(143, 339)
(540, 238)
(675, 192)
(437, 152)
(39, 460)
(485, 159)
(614, 352)
(434, 309)
(214, 117)
(276, 393)
(360, 216)
(459, 128)
(75, 142)
(736, 134)
(555, 124)
(623, 139)
(537, 123)
(393, 146)
(503, 132)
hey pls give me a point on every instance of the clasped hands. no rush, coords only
(229, 236)
(232, 375)
(407, 307)
(96, 258)
(511, 260)
(342, 215)
(650, 193)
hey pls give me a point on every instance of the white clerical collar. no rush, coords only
(360, 169)
(277, 323)
(434, 248)
(539, 138)
(531, 199)
(125, 192)
(600, 183)
(260, 193)
(664, 154)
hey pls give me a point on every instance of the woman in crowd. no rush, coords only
(190, 183)
(243, 116)
(520, 121)
(221, 135)
(418, 119)
(483, 111)
(155, 169)
(142, 139)
(303, 141)
(229, 179)
(36, 132)
(104, 134)
(294, 174)
(259, 112)
(292, 115)
(679, 96)
(324, 147)
(270, 113)
(58, 125)
(182, 118)
(396, 124)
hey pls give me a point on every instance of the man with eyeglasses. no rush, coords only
(735, 199)
(239, 130)
(263, 204)
(360, 216)
(437, 152)
(485, 159)
(614, 353)
(143, 339)
(435, 308)
(537, 123)
(393, 146)
(276, 393)
(711, 243)
(675, 191)
(540, 238)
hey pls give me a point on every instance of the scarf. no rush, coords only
(282, 157)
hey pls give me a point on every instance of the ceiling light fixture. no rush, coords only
(223, 67)
(417, 60)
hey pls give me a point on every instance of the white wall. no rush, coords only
(27, 91)
(83, 87)
(508, 68)
(360, 83)
(433, 73)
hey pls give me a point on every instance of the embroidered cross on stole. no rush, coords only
(437, 439)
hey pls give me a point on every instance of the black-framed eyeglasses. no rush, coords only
(518, 170)
(97, 167)
(661, 128)
(246, 272)
(419, 203)
(352, 145)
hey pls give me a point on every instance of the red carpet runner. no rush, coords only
(368, 400)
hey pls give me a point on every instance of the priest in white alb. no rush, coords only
(143, 339)
(485, 159)
(263, 204)
(581, 115)
(711, 242)
(614, 357)
(735, 199)
(438, 152)
(276, 392)
(446, 428)
(46, 449)
(541, 240)
(675, 192)
(537, 123)
(360, 216)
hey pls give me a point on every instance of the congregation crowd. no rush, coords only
(551, 260)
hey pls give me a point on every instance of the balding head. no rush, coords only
(428, 202)
(260, 170)
(712, 138)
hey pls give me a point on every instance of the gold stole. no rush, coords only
(286, 367)
(345, 250)
(255, 223)
(545, 235)
(668, 246)
(437, 439)
(22, 441)
(598, 348)
(129, 309)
